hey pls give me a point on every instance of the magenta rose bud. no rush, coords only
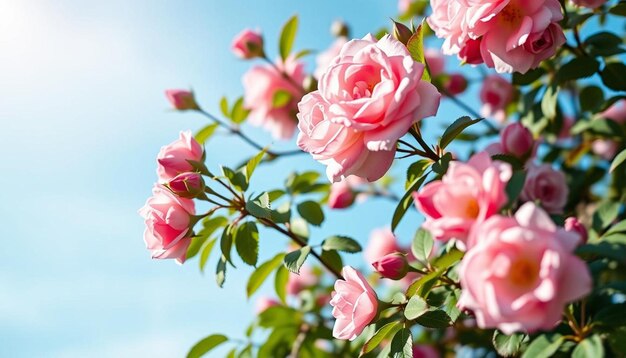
(547, 186)
(247, 44)
(573, 225)
(354, 303)
(517, 140)
(181, 100)
(496, 94)
(392, 266)
(187, 185)
(456, 84)
(341, 195)
(168, 219)
(174, 158)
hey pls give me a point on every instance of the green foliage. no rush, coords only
(402, 344)
(260, 206)
(220, 271)
(253, 163)
(206, 345)
(311, 211)
(613, 76)
(415, 45)
(247, 243)
(407, 200)
(204, 134)
(294, 260)
(590, 347)
(281, 98)
(618, 161)
(544, 346)
(341, 243)
(383, 333)
(287, 37)
(508, 345)
(578, 67)
(415, 308)
(455, 129)
(262, 272)
(422, 245)
(238, 113)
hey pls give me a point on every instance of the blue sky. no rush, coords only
(83, 117)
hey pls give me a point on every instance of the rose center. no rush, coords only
(472, 209)
(511, 15)
(362, 89)
(523, 273)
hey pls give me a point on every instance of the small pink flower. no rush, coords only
(382, 242)
(517, 140)
(573, 225)
(435, 60)
(341, 195)
(263, 84)
(298, 282)
(393, 266)
(173, 158)
(425, 351)
(468, 193)
(591, 4)
(187, 185)
(369, 97)
(496, 94)
(354, 304)
(456, 84)
(325, 58)
(248, 44)
(546, 185)
(263, 303)
(616, 112)
(521, 272)
(167, 218)
(181, 99)
(606, 148)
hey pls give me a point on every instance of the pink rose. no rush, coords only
(468, 193)
(425, 351)
(167, 218)
(271, 98)
(404, 5)
(573, 225)
(369, 97)
(305, 279)
(616, 112)
(173, 158)
(496, 94)
(435, 60)
(606, 148)
(517, 140)
(546, 185)
(354, 304)
(393, 266)
(324, 59)
(521, 272)
(382, 242)
(181, 99)
(341, 195)
(187, 185)
(263, 303)
(470, 52)
(456, 84)
(592, 4)
(247, 44)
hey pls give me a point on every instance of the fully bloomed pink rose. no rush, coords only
(369, 97)
(468, 193)
(521, 272)
(496, 94)
(341, 195)
(167, 218)
(263, 84)
(354, 304)
(325, 58)
(546, 185)
(247, 44)
(173, 158)
(382, 242)
(592, 4)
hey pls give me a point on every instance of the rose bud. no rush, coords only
(248, 44)
(341, 195)
(456, 84)
(517, 140)
(175, 157)
(339, 29)
(393, 266)
(187, 185)
(401, 32)
(182, 100)
(496, 94)
(573, 225)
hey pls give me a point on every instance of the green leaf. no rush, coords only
(299, 227)
(341, 243)
(301, 183)
(288, 36)
(312, 212)
(422, 245)
(236, 178)
(415, 45)
(205, 133)
(611, 316)
(239, 113)
(381, 334)
(544, 346)
(220, 271)
(226, 243)
(618, 227)
(579, 67)
(605, 214)
(282, 214)
(224, 107)
(590, 347)
(619, 9)
(524, 79)
(247, 243)
(604, 44)
(455, 129)
(434, 319)
(294, 260)
(210, 225)
(402, 344)
(449, 259)
(333, 259)
(406, 201)
(507, 345)
(280, 283)
(261, 273)
(549, 101)
(515, 186)
(422, 286)
(416, 307)
(206, 345)
(614, 76)
(619, 160)
(591, 98)
(206, 252)
(415, 171)
(253, 163)
(260, 207)
(606, 128)
(281, 98)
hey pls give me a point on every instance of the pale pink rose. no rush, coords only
(425, 351)
(325, 58)
(354, 304)
(181, 99)
(468, 193)
(341, 195)
(382, 242)
(262, 84)
(167, 218)
(521, 272)
(393, 266)
(187, 185)
(369, 97)
(616, 112)
(173, 158)
(573, 225)
(546, 185)
(496, 94)
(448, 21)
(517, 140)
(605, 148)
(435, 60)
(592, 4)
(263, 303)
(404, 5)
(247, 44)
(298, 282)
